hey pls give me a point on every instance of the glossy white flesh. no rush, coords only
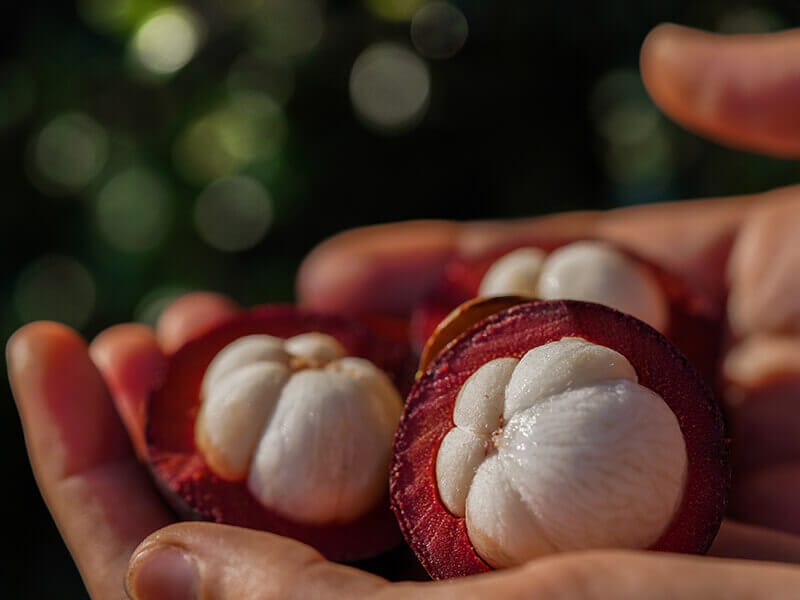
(308, 428)
(580, 456)
(514, 273)
(588, 270)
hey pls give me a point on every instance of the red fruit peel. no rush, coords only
(440, 537)
(198, 491)
(691, 322)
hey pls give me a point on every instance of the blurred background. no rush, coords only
(151, 147)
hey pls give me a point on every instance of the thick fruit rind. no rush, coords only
(461, 319)
(197, 493)
(439, 538)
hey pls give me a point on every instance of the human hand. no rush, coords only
(104, 505)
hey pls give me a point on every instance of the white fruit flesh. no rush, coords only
(588, 270)
(579, 455)
(308, 428)
(515, 273)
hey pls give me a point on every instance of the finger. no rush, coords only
(384, 268)
(763, 360)
(741, 90)
(205, 560)
(689, 239)
(761, 370)
(764, 287)
(768, 497)
(615, 574)
(131, 357)
(190, 316)
(221, 562)
(390, 268)
(762, 376)
(751, 542)
(101, 498)
(133, 365)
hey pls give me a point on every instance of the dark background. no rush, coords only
(107, 152)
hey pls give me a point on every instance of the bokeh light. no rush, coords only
(249, 127)
(166, 41)
(637, 146)
(262, 73)
(133, 210)
(439, 30)
(150, 307)
(17, 93)
(115, 16)
(748, 19)
(622, 111)
(648, 162)
(394, 10)
(67, 154)
(236, 9)
(390, 87)
(56, 288)
(288, 28)
(233, 213)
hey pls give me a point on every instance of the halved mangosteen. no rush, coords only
(283, 420)
(554, 426)
(587, 270)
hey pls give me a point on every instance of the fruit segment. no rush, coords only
(588, 270)
(516, 273)
(310, 429)
(571, 423)
(282, 419)
(555, 426)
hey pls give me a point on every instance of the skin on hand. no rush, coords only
(741, 252)
(105, 506)
(741, 90)
(229, 562)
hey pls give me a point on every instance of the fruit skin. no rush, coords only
(694, 325)
(459, 320)
(196, 493)
(439, 538)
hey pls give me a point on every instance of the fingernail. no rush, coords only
(162, 573)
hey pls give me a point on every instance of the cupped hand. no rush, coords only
(99, 494)
(76, 399)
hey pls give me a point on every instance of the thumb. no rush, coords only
(207, 560)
